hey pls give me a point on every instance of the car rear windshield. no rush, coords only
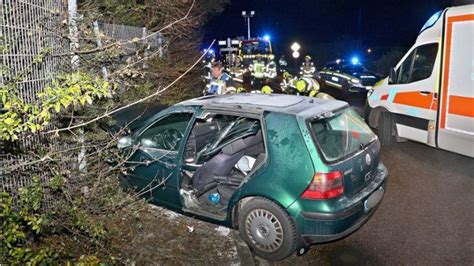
(342, 134)
(352, 69)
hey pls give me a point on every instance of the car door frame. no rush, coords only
(199, 114)
(169, 194)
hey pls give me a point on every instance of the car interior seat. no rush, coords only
(206, 176)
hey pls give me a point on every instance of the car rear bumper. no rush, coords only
(315, 239)
(319, 227)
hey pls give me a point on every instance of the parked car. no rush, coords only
(348, 77)
(286, 171)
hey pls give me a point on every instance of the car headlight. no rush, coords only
(369, 92)
(355, 81)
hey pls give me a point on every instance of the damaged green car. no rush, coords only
(286, 171)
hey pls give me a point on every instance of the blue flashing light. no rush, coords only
(266, 37)
(355, 60)
(431, 21)
(211, 51)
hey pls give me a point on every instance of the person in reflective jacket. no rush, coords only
(271, 68)
(258, 72)
(283, 64)
(221, 82)
(307, 68)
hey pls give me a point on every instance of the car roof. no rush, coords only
(258, 103)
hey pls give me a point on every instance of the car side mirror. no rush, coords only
(392, 77)
(124, 142)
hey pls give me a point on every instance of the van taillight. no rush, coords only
(325, 186)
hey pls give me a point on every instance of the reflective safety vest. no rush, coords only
(237, 73)
(271, 70)
(308, 69)
(258, 69)
(218, 85)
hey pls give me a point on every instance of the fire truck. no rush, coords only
(247, 49)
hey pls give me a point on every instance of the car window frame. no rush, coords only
(335, 67)
(345, 67)
(319, 149)
(258, 116)
(139, 133)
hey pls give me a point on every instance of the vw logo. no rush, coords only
(368, 160)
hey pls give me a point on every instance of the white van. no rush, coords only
(429, 96)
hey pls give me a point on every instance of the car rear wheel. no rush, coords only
(267, 229)
(345, 92)
(386, 128)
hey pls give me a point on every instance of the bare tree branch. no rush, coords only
(107, 114)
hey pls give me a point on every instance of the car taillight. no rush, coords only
(325, 186)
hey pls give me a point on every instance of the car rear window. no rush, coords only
(341, 134)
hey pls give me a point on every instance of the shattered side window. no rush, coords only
(210, 134)
(167, 133)
(241, 127)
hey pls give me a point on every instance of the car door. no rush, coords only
(154, 167)
(333, 77)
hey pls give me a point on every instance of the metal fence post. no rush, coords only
(145, 47)
(97, 32)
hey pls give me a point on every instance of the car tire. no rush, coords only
(386, 128)
(268, 229)
(322, 83)
(345, 92)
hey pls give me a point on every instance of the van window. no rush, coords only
(418, 65)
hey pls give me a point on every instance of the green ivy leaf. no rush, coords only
(9, 121)
(57, 107)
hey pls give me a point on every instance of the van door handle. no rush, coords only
(425, 92)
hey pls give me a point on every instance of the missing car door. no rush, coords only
(220, 153)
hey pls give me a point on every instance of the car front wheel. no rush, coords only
(267, 229)
(386, 128)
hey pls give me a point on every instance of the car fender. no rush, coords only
(374, 115)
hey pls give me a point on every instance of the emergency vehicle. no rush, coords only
(348, 77)
(247, 49)
(429, 96)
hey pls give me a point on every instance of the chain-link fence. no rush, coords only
(30, 40)
(33, 46)
(137, 42)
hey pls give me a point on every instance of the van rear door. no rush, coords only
(455, 130)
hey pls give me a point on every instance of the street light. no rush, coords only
(247, 17)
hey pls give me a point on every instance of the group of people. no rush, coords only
(230, 78)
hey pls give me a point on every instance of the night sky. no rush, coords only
(374, 23)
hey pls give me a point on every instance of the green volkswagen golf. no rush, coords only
(286, 171)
